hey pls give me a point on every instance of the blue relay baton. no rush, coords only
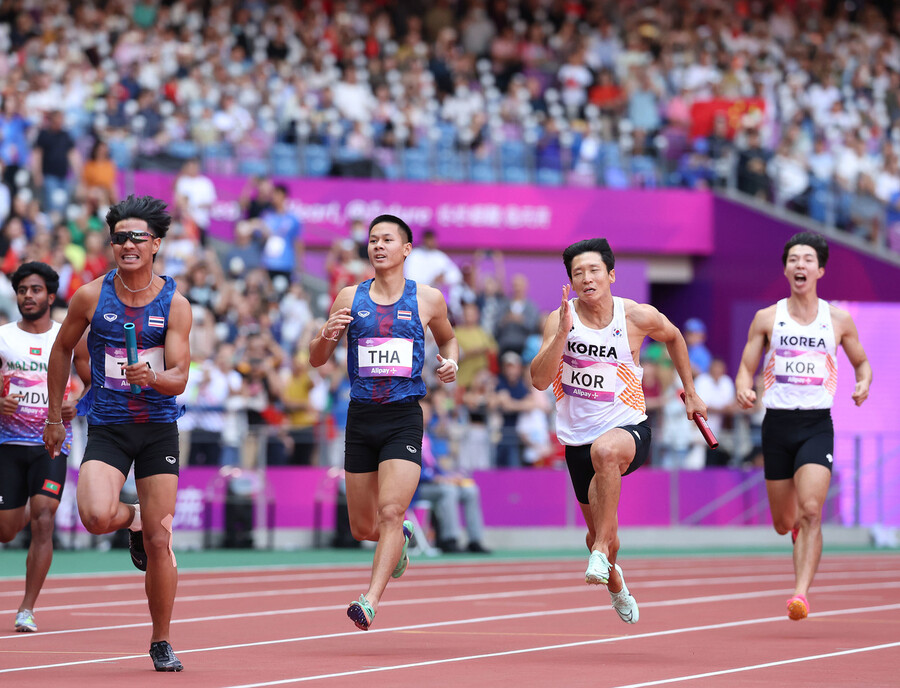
(131, 351)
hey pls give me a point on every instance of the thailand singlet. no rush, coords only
(112, 400)
(800, 370)
(25, 356)
(598, 386)
(386, 348)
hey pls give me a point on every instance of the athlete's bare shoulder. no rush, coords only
(764, 320)
(841, 320)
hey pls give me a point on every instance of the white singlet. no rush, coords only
(598, 385)
(800, 370)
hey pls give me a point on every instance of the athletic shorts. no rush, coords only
(791, 439)
(378, 432)
(581, 468)
(152, 447)
(27, 470)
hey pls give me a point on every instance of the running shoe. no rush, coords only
(136, 548)
(624, 603)
(25, 622)
(163, 657)
(598, 569)
(798, 608)
(400, 568)
(361, 613)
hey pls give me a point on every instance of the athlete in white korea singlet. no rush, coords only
(800, 336)
(590, 354)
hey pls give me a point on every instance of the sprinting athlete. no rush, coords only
(125, 427)
(385, 319)
(590, 354)
(800, 336)
(31, 481)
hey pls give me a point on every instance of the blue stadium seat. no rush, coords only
(449, 166)
(253, 167)
(515, 175)
(415, 164)
(317, 160)
(183, 149)
(482, 171)
(514, 154)
(547, 176)
(120, 152)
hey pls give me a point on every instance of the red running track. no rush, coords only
(704, 622)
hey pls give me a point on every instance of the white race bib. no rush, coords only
(592, 380)
(800, 367)
(385, 357)
(116, 359)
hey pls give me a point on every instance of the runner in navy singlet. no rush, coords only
(800, 336)
(385, 319)
(124, 427)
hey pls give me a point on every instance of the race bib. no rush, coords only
(32, 392)
(592, 380)
(116, 359)
(385, 357)
(800, 367)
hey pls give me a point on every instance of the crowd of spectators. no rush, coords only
(784, 101)
(794, 102)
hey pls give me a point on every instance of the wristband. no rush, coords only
(154, 376)
(49, 422)
(455, 364)
(325, 336)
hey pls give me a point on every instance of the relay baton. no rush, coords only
(131, 351)
(704, 428)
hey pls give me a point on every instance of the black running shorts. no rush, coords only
(791, 439)
(27, 470)
(378, 432)
(152, 447)
(581, 468)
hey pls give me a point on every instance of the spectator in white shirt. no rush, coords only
(717, 390)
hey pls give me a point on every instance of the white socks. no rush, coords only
(136, 523)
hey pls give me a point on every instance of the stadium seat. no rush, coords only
(547, 176)
(317, 160)
(415, 165)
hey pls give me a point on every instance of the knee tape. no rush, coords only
(167, 524)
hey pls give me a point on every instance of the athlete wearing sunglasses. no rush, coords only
(119, 238)
(124, 428)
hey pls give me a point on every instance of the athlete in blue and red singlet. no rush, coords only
(385, 319)
(125, 428)
(800, 336)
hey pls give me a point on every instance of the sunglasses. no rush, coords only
(134, 237)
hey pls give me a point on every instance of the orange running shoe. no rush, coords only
(798, 608)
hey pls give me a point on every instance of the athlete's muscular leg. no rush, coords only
(156, 494)
(782, 504)
(615, 580)
(99, 485)
(397, 481)
(611, 454)
(811, 482)
(40, 552)
(362, 505)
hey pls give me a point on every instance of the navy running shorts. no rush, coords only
(581, 468)
(793, 438)
(27, 470)
(378, 432)
(151, 447)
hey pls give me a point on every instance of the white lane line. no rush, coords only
(461, 622)
(491, 655)
(751, 667)
(510, 594)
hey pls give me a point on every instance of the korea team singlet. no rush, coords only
(25, 356)
(385, 348)
(800, 370)
(112, 401)
(598, 385)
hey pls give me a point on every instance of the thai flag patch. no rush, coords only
(404, 315)
(156, 321)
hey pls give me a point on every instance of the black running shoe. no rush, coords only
(164, 658)
(136, 547)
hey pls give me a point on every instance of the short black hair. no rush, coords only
(816, 241)
(42, 270)
(600, 246)
(147, 208)
(395, 220)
